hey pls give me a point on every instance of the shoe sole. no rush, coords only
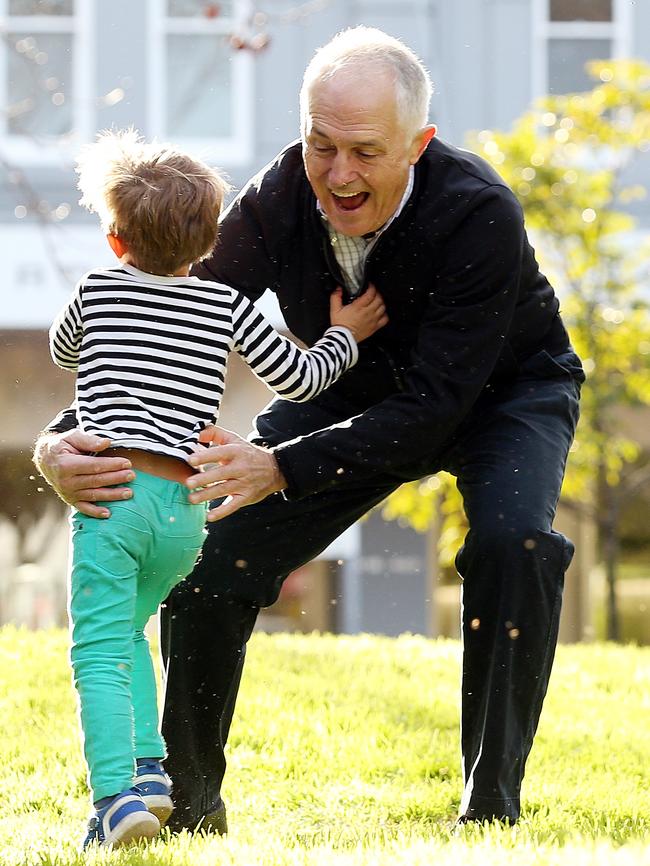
(159, 805)
(133, 828)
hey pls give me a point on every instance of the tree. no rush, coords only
(569, 160)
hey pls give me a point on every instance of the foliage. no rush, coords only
(344, 752)
(569, 161)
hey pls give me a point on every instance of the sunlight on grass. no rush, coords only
(344, 751)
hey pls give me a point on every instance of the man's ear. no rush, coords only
(421, 141)
(117, 245)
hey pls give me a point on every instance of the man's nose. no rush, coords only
(342, 171)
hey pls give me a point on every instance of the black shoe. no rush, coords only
(213, 821)
(505, 821)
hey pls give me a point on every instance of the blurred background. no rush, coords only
(555, 93)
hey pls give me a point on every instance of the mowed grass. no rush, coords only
(344, 752)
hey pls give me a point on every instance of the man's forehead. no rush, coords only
(349, 113)
(358, 87)
(358, 136)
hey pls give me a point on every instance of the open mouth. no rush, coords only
(349, 201)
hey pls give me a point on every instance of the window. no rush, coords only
(201, 87)
(41, 87)
(568, 33)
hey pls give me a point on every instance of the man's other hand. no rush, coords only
(242, 472)
(68, 464)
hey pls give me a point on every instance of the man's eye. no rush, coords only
(322, 148)
(364, 155)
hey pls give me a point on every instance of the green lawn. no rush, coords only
(344, 751)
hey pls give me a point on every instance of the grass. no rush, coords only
(344, 752)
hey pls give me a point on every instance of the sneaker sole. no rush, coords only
(132, 828)
(159, 805)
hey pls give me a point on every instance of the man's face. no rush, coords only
(356, 150)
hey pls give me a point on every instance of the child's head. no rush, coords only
(161, 203)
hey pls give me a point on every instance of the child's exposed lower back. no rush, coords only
(161, 465)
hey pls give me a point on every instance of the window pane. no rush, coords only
(39, 72)
(199, 86)
(581, 10)
(41, 7)
(566, 63)
(196, 8)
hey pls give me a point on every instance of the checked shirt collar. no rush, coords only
(351, 253)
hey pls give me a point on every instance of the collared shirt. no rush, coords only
(351, 253)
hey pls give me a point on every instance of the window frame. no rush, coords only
(236, 149)
(618, 31)
(42, 149)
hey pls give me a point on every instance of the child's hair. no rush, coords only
(161, 202)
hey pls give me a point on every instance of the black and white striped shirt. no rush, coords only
(151, 354)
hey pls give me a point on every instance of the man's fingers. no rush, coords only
(90, 442)
(100, 483)
(91, 510)
(228, 506)
(218, 454)
(217, 489)
(95, 467)
(103, 494)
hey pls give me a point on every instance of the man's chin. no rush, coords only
(351, 223)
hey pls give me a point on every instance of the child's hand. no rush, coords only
(363, 316)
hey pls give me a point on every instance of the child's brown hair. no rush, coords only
(162, 203)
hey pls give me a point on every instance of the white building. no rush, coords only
(222, 79)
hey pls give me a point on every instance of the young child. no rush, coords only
(150, 344)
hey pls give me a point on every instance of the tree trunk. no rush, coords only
(611, 550)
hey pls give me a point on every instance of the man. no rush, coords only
(473, 374)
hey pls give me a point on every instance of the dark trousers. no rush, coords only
(508, 457)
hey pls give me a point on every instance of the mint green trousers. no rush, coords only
(121, 570)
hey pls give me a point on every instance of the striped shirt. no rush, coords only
(151, 354)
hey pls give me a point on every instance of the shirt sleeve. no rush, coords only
(472, 300)
(66, 333)
(293, 373)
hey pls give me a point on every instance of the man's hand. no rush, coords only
(242, 472)
(64, 460)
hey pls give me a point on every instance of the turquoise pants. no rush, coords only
(122, 568)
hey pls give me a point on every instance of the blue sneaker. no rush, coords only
(155, 786)
(125, 819)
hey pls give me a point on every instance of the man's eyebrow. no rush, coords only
(319, 132)
(377, 143)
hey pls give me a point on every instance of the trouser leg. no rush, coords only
(177, 531)
(102, 604)
(208, 619)
(205, 644)
(510, 469)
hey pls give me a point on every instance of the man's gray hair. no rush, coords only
(372, 48)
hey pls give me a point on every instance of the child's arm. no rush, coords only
(66, 333)
(299, 374)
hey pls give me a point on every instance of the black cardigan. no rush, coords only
(463, 292)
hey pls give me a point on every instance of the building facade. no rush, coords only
(222, 79)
